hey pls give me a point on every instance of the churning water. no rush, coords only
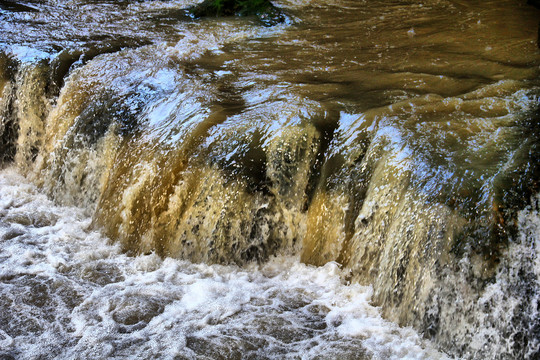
(214, 188)
(68, 293)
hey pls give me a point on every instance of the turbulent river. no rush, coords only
(358, 181)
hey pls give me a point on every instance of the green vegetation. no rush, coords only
(240, 7)
(267, 13)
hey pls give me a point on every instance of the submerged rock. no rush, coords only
(267, 13)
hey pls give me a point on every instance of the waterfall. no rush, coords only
(420, 179)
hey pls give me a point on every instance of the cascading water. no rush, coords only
(358, 144)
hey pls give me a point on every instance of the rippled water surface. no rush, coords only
(214, 188)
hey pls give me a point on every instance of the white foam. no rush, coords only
(163, 308)
(27, 54)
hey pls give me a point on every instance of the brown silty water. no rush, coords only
(398, 138)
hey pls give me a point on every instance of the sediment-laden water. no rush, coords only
(361, 160)
(68, 293)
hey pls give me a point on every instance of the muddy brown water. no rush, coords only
(398, 139)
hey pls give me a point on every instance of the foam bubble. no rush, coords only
(68, 293)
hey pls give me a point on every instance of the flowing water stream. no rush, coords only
(357, 182)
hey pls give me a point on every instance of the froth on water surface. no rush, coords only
(400, 142)
(66, 292)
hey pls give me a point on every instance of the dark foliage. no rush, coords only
(267, 13)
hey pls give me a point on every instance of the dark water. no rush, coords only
(397, 139)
